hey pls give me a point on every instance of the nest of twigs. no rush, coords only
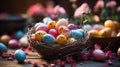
(49, 52)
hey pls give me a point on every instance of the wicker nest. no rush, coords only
(49, 52)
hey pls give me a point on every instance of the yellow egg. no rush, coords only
(39, 35)
(110, 24)
(117, 25)
(61, 39)
(61, 22)
(106, 32)
(93, 33)
(52, 24)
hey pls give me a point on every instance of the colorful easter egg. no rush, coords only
(39, 35)
(98, 27)
(49, 39)
(5, 39)
(3, 48)
(24, 42)
(46, 20)
(72, 26)
(110, 24)
(71, 40)
(42, 27)
(93, 33)
(61, 39)
(13, 44)
(82, 31)
(38, 24)
(61, 22)
(62, 29)
(52, 24)
(87, 27)
(53, 32)
(19, 34)
(106, 32)
(76, 34)
(20, 55)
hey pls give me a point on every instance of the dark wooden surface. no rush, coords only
(34, 57)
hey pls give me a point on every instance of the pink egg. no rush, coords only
(14, 44)
(53, 32)
(43, 27)
(72, 26)
(98, 27)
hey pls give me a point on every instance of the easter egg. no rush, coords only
(49, 39)
(106, 32)
(39, 35)
(61, 22)
(42, 27)
(13, 44)
(62, 29)
(117, 25)
(118, 34)
(19, 34)
(5, 39)
(109, 24)
(61, 39)
(97, 27)
(24, 42)
(53, 32)
(87, 27)
(20, 55)
(82, 31)
(76, 34)
(72, 26)
(46, 20)
(3, 48)
(118, 52)
(38, 24)
(52, 24)
(93, 33)
(71, 40)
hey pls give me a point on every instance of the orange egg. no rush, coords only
(106, 32)
(110, 24)
(52, 24)
(117, 25)
(93, 33)
(5, 39)
(39, 35)
(61, 39)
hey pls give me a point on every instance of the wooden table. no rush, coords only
(35, 57)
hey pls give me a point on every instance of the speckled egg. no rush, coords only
(49, 39)
(42, 27)
(61, 22)
(71, 40)
(3, 48)
(19, 34)
(76, 34)
(87, 27)
(61, 39)
(53, 32)
(62, 29)
(52, 24)
(20, 55)
(72, 26)
(82, 31)
(39, 35)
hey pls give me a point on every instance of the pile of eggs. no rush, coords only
(60, 32)
(108, 29)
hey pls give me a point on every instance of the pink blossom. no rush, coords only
(49, 10)
(111, 4)
(118, 8)
(98, 5)
(84, 8)
(59, 10)
(96, 18)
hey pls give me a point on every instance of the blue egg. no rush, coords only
(46, 20)
(82, 31)
(19, 34)
(76, 34)
(87, 27)
(20, 55)
(3, 48)
(38, 24)
(49, 39)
